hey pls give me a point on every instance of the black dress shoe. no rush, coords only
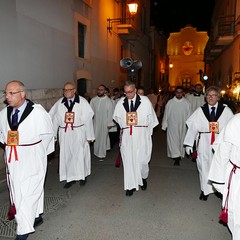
(203, 197)
(218, 195)
(83, 182)
(69, 184)
(144, 186)
(177, 161)
(38, 221)
(130, 192)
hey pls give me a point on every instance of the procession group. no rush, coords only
(197, 124)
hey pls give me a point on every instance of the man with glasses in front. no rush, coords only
(204, 125)
(26, 131)
(136, 118)
(72, 122)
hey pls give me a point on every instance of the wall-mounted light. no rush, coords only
(132, 7)
(170, 65)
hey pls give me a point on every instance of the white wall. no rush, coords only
(37, 43)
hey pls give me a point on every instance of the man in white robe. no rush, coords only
(176, 113)
(136, 123)
(26, 155)
(113, 131)
(204, 125)
(197, 98)
(103, 110)
(72, 121)
(225, 173)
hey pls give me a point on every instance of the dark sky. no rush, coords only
(172, 15)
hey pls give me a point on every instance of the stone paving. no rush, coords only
(168, 210)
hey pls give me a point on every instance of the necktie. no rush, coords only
(15, 119)
(131, 106)
(212, 114)
(70, 103)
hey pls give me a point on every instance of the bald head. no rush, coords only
(15, 93)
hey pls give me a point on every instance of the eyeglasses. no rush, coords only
(68, 90)
(179, 92)
(12, 93)
(211, 96)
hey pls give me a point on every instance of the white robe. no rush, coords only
(27, 174)
(103, 111)
(136, 149)
(227, 148)
(175, 115)
(75, 158)
(195, 101)
(196, 123)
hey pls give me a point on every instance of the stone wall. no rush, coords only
(45, 97)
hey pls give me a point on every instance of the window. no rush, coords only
(81, 39)
(186, 83)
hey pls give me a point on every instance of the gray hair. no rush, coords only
(129, 83)
(215, 89)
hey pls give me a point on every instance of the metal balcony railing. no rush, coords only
(225, 26)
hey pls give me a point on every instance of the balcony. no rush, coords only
(222, 34)
(225, 30)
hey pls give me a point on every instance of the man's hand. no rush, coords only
(189, 150)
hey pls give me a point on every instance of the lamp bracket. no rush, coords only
(117, 20)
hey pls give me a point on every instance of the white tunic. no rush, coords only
(27, 174)
(196, 101)
(103, 111)
(175, 115)
(75, 159)
(198, 126)
(227, 150)
(136, 149)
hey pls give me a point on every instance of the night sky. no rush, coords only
(172, 15)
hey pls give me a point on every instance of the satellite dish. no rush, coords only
(126, 62)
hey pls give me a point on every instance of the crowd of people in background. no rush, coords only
(196, 123)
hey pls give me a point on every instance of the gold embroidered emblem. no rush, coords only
(132, 118)
(214, 127)
(13, 138)
(69, 117)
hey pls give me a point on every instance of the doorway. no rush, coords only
(81, 86)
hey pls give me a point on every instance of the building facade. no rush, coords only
(185, 50)
(49, 42)
(223, 48)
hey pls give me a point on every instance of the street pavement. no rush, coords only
(169, 209)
